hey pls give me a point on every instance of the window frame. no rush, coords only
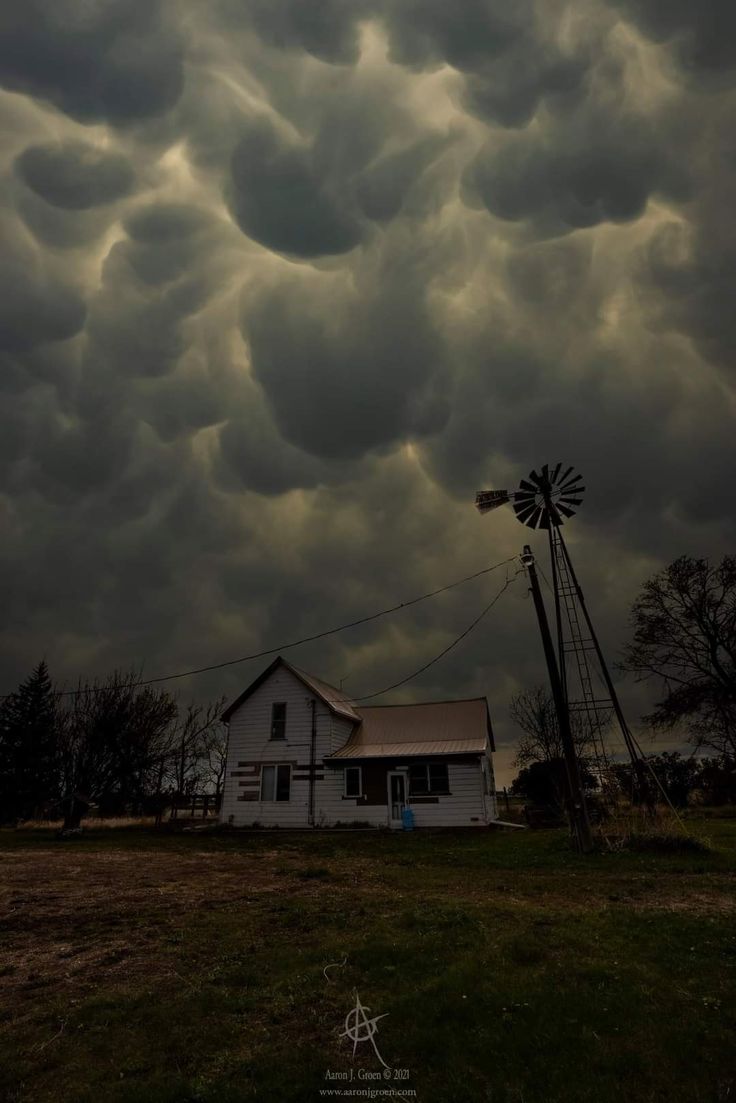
(345, 793)
(428, 789)
(275, 766)
(282, 721)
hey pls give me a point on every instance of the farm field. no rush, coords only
(145, 967)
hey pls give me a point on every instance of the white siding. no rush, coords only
(464, 807)
(340, 731)
(335, 808)
(250, 746)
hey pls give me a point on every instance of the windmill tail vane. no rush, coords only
(486, 500)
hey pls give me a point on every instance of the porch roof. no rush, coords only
(431, 728)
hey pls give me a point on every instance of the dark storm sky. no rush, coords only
(285, 281)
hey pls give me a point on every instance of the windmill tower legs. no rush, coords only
(580, 640)
(577, 809)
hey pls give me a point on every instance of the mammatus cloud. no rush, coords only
(700, 36)
(284, 284)
(117, 62)
(75, 176)
(277, 198)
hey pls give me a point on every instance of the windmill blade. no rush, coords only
(546, 497)
(569, 499)
(525, 509)
(525, 512)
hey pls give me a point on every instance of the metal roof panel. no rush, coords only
(434, 727)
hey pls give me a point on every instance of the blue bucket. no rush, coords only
(407, 819)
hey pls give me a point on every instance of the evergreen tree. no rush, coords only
(28, 747)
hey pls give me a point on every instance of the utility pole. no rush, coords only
(577, 810)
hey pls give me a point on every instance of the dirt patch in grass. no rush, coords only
(76, 920)
(667, 893)
(72, 921)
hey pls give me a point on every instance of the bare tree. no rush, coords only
(684, 623)
(214, 746)
(534, 712)
(187, 756)
(110, 740)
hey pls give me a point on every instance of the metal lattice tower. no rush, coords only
(575, 648)
(543, 501)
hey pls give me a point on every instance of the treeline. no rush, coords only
(685, 779)
(122, 746)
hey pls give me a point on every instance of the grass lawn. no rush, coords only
(141, 967)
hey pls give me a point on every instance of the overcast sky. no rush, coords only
(284, 282)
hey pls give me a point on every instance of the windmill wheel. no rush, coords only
(549, 497)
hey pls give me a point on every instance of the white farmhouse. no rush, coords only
(300, 754)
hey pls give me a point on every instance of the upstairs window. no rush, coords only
(278, 720)
(426, 778)
(275, 782)
(353, 786)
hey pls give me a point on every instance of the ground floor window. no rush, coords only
(353, 781)
(430, 777)
(275, 782)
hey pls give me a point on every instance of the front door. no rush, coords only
(396, 798)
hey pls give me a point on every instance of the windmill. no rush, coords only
(544, 501)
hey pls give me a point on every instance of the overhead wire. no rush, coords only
(297, 643)
(544, 577)
(455, 642)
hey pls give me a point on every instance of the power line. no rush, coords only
(304, 639)
(455, 642)
(540, 571)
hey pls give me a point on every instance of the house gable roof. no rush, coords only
(335, 700)
(433, 727)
